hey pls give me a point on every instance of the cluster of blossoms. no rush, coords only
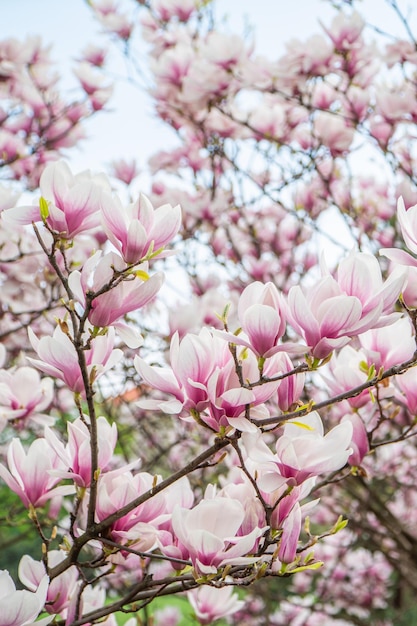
(36, 121)
(231, 454)
(228, 384)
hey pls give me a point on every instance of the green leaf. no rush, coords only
(44, 208)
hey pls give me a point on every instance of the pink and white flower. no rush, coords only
(29, 474)
(139, 230)
(24, 395)
(302, 451)
(211, 604)
(333, 311)
(58, 357)
(60, 589)
(73, 201)
(121, 297)
(210, 534)
(76, 455)
(21, 608)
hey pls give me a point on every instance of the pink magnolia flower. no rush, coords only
(323, 316)
(224, 51)
(346, 373)
(228, 399)
(113, 20)
(76, 455)
(86, 599)
(182, 9)
(94, 55)
(408, 224)
(138, 229)
(302, 451)
(333, 131)
(360, 441)
(193, 360)
(21, 608)
(291, 387)
(171, 67)
(60, 589)
(91, 79)
(24, 395)
(58, 357)
(345, 30)
(73, 201)
(122, 297)
(269, 120)
(168, 616)
(359, 275)
(209, 532)
(391, 345)
(29, 473)
(211, 604)
(242, 490)
(283, 500)
(141, 525)
(409, 293)
(124, 170)
(333, 311)
(407, 383)
(262, 319)
(291, 529)
(203, 380)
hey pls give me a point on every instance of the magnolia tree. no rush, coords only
(212, 446)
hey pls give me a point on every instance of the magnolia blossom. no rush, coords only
(85, 599)
(228, 399)
(239, 488)
(24, 395)
(58, 357)
(209, 532)
(119, 297)
(76, 455)
(291, 529)
(73, 202)
(347, 372)
(407, 383)
(261, 314)
(60, 589)
(167, 9)
(141, 525)
(360, 441)
(388, 346)
(21, 608)
(302, 451)
(203, 380)
(125, 170)
(193, 360)
(168, 616)
(408, 224)
(333, 311)
(138, 229)
(291, 387)
(359, 275)
(211, 604)
(29, 473)
(333, 131)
